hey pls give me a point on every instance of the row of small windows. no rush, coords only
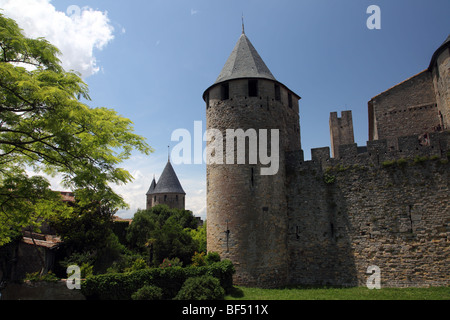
(253, 91)
(165, 198)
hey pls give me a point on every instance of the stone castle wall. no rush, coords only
(408, 108)
(389, 209)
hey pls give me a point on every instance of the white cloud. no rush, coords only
(193, 12)
(77, 32)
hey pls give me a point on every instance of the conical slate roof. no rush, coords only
(244, 62)
(438, 52)
(152, 187)
(167, 183)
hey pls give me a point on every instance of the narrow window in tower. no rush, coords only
(165, 198)
(277, 92)
(253, 177)
(154, 199)
(252, 88)
(225, 91)
(290, 100)
(207, 100)
(176, 198)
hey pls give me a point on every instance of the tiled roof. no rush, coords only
(168, 182)
(244, 62)
(41, 240)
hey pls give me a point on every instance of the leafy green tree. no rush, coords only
(140, 230)
(172, 241)
(199, 236)
(163, 233)
(87, 234)
(45, 126)
(146, 221)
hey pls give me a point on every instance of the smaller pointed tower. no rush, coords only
(167, 190)
(150, 192)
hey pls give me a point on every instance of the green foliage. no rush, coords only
(212, 257)
(138, 264)
(419, 159)
(198, 259)
(388, 163)
(199, 237)
(402, 162)
(121, 286)
(86, 228)
(163, 233)
(201, 288)
(45, 126)
(170, 263)
(37, 277)
(329, 178)
(203, 259)
(88, 237)
(25, 202)
(148, 293)
(172, 241)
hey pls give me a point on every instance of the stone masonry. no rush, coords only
(325, 221)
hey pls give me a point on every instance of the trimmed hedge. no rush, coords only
(121, 286)
(149, 293)
(201, 288)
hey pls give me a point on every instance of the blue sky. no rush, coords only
(165, 53)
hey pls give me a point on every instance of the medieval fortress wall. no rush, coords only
(327, 220)
(385, 208)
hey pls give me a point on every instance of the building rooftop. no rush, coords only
(152, 187)
(444, 45)
(244, 62)
(167, 183)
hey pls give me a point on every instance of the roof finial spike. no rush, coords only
(243, 29)
(168, 153)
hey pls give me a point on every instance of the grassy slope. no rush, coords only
(242, 293)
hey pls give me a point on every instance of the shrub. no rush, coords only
(201, 288)
(212, 257)
(148, 293)
(37, 277)
(121, 286)
(199, 259)
(138, 264)
(223, 271)
(168, 263)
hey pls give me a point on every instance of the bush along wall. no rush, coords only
(121, 286)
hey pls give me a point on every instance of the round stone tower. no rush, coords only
(440, 70)
(246, 207)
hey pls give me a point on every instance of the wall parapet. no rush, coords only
(433, 145)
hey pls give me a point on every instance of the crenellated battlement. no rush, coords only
(434, 145)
